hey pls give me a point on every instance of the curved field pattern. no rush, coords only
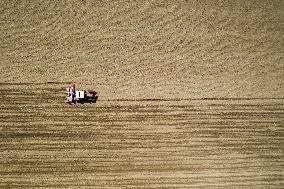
(191, 94)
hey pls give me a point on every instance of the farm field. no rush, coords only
(193, 143)
(191, 94)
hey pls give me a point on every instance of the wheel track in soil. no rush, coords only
(193, 143)
(190, 94)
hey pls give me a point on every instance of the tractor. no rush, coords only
(80, 96)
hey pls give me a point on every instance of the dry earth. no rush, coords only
(191, 94)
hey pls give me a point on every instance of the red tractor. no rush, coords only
(80, 96)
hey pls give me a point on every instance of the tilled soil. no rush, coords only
(190, 94)
(150, 143)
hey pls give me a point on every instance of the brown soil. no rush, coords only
(190, 94)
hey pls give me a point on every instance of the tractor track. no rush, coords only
(190, 94)
(110, 144)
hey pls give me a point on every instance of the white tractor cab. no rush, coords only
(80, 96)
